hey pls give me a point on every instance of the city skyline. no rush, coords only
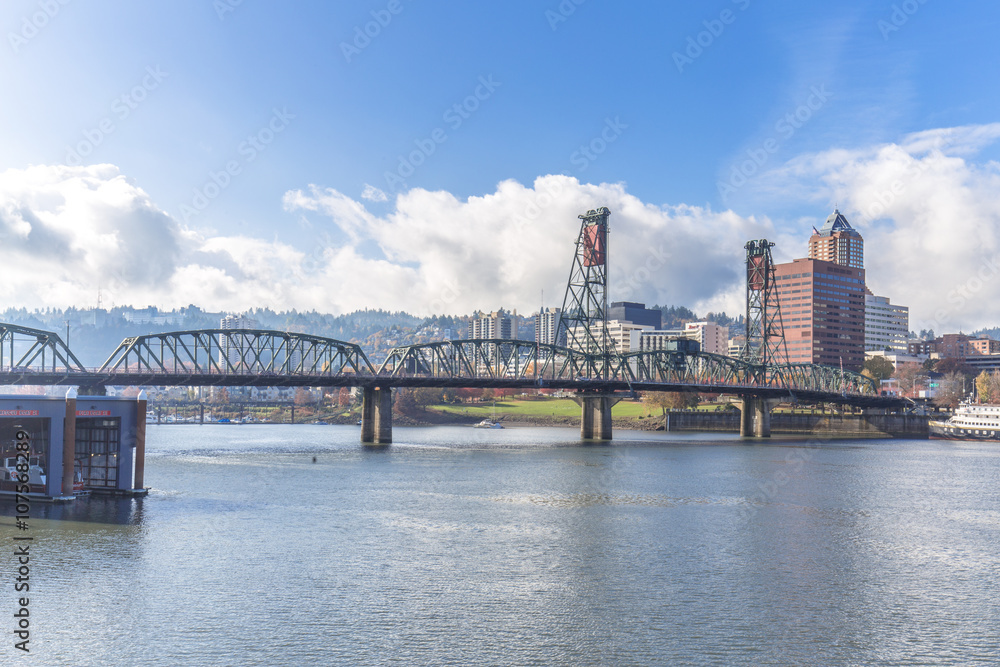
(330, 158)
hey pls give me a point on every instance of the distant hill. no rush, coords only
(95, 334)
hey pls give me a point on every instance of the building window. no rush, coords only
(98, 441)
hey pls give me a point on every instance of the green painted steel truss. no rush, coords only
(252, 352)
(22, 348)
(487, 359)
(274, 357)
(493, 359)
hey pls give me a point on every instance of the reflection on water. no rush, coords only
(465, 546)
(96, 509)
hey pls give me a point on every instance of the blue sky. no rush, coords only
(260, 148)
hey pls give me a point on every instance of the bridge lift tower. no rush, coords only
(584, 314)
(765, 345)
(584, 319)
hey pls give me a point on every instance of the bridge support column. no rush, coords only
(595, 416)
(376, 416)
(140, 442)
(69, 444)
(755, 416)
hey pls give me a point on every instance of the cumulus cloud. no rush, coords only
(371, 193)
(929, 215)
(443, 254)
(84, 228)
(65, 228)
(926, 207)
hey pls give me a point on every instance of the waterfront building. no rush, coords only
(822, 312)
(887, 325)
(92, 444)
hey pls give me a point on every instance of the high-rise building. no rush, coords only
(887, 325)
(636, 313)
(238, 322)
(822, 312)
(838, 242)
(231, 351)
(495, 325)
(546, 323)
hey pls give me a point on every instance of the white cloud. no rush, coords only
(930, 217)
(927, 209)
(504, 248)
(371, 193)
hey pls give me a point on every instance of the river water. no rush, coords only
(521, 547)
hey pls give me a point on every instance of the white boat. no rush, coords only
(490, 423)
(971, 421)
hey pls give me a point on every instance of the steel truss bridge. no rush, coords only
(255, 358)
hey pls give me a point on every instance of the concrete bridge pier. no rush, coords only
(376, 416)
(755, 416)
(595, 416)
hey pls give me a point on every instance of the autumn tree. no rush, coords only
(403, 402)
(988, 387)
(220, 396)
(424, 396)
(669, 400)
(879, 368)
(303, 397)
(469, 393)
(344, 397)
(909, 375)
(951, 390)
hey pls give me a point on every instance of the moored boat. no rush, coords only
(971, 421)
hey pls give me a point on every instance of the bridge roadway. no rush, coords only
(241, 357)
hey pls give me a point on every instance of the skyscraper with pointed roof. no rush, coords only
(838, 242)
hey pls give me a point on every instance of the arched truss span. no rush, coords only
(26, 349)
(254, 352)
